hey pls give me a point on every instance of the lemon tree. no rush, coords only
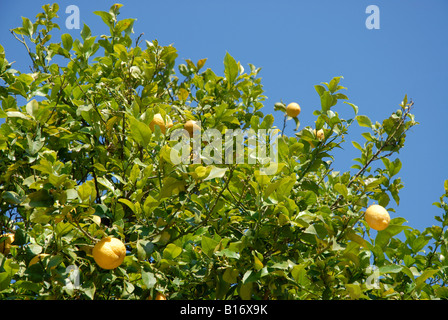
(90, 181)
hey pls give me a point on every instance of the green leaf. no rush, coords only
(87, 191)
(230, 275)
(11, 267)
(106, 183)
(124, 25)
(148, 278)
(27, 26)
(171, 251)
(12, 197)
(171, 186)
(140, 132)
(357, 146)
(364, 121)
(67, 41)
(395, 227)
(355, 107)
(228, 253)
(106, 17)
(342, 189)
(308, 197)
(130, 204)
(208, 245)
(354, 290)
(298, 272)
(144, 249)
(246, 291)
(320, 89)
(149, 205)
(420, 281)
(327, 100)
(32, 107)
(5, 281)
(391, 268)
(17, 114)
(216, 172)
(40, 198)
(267, 122)
(230, 69)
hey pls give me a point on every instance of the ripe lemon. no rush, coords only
(377, 217)
(319, 135)
(5, 245)
(191, 127)
(109, 253)
(159, 296)
(158, 120)
(37, 258)
(293, 109)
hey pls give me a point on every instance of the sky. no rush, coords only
(299, 44)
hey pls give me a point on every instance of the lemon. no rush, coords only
(159, 296)
(5, 245)
(319, 135)
(109, 253)
(158, 121)
(377, 217)
(191, 126)
(293, 109)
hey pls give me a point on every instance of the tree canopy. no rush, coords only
(81, 159)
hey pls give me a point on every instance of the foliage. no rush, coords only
(78, 161)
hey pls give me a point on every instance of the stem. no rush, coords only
(203, 222)
(85, 232)
(375, 156)
(284, 124)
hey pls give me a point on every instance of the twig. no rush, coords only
(86, 233)
(375, 156)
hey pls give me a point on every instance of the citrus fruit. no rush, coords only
(319, 135)
(109, 253)
(293, 109)
(6, 244)
(377, 217)
(158, 120)
(160, 296)
(191, 126)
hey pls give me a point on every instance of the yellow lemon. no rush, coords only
(319, 135)
(5, 245)
(191, 127)
(109, 253)
(160, 296)
(158, 121)
(293, 109)
(377, 217)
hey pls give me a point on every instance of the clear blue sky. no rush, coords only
(300, 44)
